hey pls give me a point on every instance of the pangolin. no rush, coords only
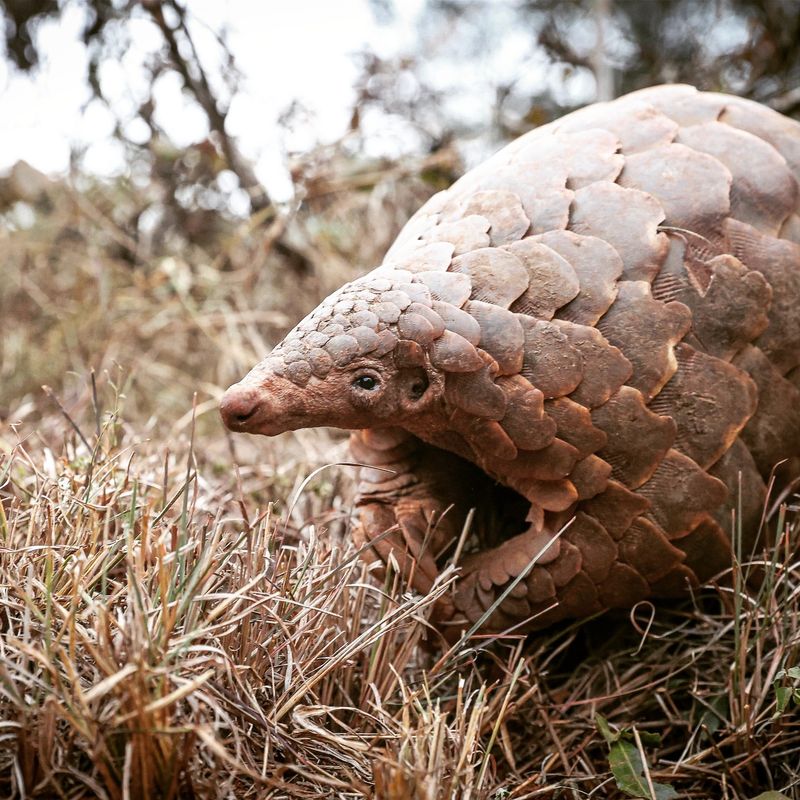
(593, 338)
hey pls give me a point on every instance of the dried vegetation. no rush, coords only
(181, 614)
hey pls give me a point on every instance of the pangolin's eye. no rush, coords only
(366, 382)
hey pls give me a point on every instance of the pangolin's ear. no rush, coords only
(415, 383)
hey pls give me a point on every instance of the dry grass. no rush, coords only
(180, 616)
(163, 638)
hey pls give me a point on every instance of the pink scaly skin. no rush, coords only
(599, 326)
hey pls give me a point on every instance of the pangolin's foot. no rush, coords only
(511, 588)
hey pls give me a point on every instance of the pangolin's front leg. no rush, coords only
(488, 588)
(419, 493)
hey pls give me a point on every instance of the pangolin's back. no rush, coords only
(605, 318)
(650, 249)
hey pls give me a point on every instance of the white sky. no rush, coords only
(287, 50)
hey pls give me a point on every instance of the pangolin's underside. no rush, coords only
(600, 324)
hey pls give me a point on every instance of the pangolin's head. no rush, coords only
(374, 353)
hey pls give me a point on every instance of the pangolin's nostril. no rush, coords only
(239, 405)
(243, 416)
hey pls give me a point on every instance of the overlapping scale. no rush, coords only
(613, 302)
(773, 432)
(637, 125)
(710, 402)
(507, 218)
(580, 596)
(544, 198)
(606, 368)
(681, 493)
(551, 282)
(453, 353)
(424, 257)
(585, 156)
(524, 419)
(553, 462)
(624, 587)
(693, 188)
(484, 436)
(597, 266)
(496, 276)
(764, 191)
(645, 547)
(628, 220)
(616, 508)
(449, 287)
(637, 438)
(502, 335)
(777, 260)
(549, 361)
(468, 233)
(598, 550)
(476, 393)
(706, 550)
(729, 308)
(458, 321)
(575, 426)
(590, 476)
(682, 104)
(766, 124)
(646, 331)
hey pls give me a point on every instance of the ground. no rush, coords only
(182, 613)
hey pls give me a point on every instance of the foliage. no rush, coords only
(787, 694)
(628, 764)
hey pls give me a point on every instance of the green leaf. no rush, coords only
(664, 791)
(650, 739)
(626, 765)
(602, 726)
(783, 694)
(771, 796)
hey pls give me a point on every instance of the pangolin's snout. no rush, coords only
(243, 408)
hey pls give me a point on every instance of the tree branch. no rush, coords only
(201, 90)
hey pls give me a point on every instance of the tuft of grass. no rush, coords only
(163, 639)
(164, 635)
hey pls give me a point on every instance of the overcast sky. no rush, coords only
(287, 50)
(299, 50)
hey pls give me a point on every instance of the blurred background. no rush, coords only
(181, 181)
